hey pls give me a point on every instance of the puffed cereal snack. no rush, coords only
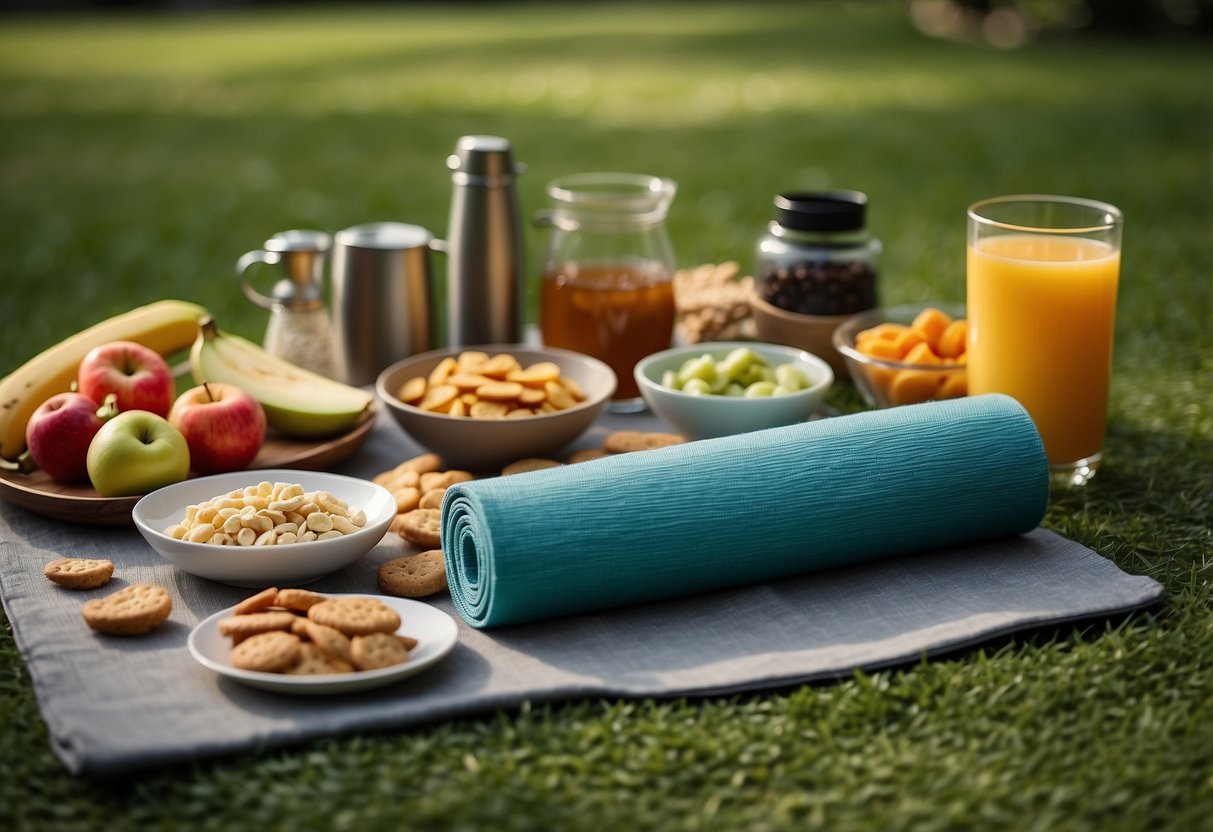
(267, 514)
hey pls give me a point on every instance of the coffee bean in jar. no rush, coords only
(817, 257)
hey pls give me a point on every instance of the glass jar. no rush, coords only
(607, 287)
(817, 257)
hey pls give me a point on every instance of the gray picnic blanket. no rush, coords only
(115, 705)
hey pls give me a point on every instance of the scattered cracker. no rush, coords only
(629, 441)
(406, 498)
(415, 576)
(133, 610)
(79, 573)
(421, 526)
(588, 454)
(432, 498)
(523, 466)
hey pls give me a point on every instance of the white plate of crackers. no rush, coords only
(258, 528)
(341, 642)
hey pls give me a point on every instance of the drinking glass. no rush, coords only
(1041, 279)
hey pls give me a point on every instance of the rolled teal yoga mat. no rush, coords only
(741, 509)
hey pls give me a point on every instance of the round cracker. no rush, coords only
(355, 616)
(133, 610)
(79, 573)
(421, 526)
(272, 652)
(377, 650)
(415, 576)
(315, 662)
(263, 600)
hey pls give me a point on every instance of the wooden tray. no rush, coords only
(79, 503)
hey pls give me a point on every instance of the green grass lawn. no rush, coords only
(141, 155)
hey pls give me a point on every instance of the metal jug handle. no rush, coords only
(439, 246)
(246, 261)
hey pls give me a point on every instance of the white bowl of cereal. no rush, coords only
(347, 516)
(483, 407)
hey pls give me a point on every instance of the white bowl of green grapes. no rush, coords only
(723, 388)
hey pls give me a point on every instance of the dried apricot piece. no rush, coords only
(955, 385)
(886, 332)
(907, 341)
(922, 354)
(930, 324)
(953, 341)
(880, 348)
(913, 386)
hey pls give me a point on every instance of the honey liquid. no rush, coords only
(617, 314)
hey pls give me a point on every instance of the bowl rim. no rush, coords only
(390, 400)
(844, 334)
(823, 383)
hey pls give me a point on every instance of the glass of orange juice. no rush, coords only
(607, 287)
(1041, 280)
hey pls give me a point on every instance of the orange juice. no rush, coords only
(1041, 310)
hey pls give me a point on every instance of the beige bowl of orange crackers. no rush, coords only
(482, 407)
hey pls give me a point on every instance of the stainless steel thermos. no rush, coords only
(484, 278)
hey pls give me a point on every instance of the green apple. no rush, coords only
(136, 452)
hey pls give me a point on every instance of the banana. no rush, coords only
(297, 402)
(166, 326)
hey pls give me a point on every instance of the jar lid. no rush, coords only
(483, 160)
(821, 211)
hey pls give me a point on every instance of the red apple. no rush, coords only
(59, 432)
(223, 425)
(138, 375)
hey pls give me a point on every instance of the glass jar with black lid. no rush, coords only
(817, 257)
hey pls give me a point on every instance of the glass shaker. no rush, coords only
(299, 329)
(607, 286)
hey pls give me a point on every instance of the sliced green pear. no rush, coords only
(297, 402)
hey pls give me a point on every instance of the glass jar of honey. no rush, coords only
(607, 287)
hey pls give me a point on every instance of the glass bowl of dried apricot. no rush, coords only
(906, 354)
